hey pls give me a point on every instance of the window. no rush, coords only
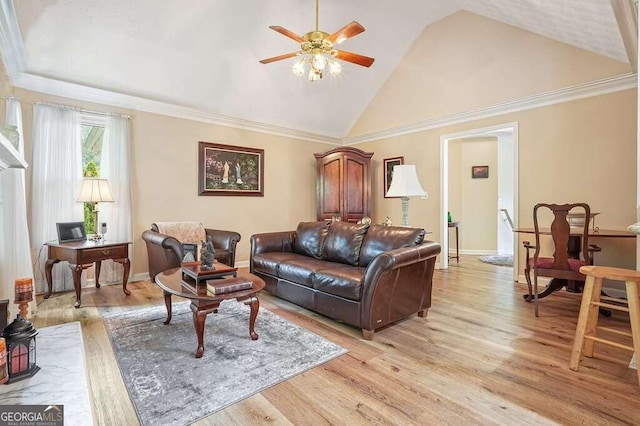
(91, 135)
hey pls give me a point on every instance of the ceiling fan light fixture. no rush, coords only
(335, 68)
(319, 61)
(316, 50)
(314, 75)
(298, 67)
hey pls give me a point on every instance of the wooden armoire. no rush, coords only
(344, 184)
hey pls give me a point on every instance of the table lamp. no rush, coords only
(95, 190)
(405, 184)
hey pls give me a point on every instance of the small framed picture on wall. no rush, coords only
(479, 172)
(387, 170)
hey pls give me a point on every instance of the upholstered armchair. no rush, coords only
(164, 244)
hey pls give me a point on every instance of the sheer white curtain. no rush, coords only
(15, 254)
(115, 166)
(56, 180)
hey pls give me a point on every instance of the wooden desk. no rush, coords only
(81, 255)
(457, 256)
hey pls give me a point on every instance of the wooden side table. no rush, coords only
(81, 255)
(457, 256)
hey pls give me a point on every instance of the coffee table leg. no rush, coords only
(198, 321)
(255, 305)
(167, 303)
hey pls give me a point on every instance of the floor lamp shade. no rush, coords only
(405, 184)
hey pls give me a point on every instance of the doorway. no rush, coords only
(507, 186)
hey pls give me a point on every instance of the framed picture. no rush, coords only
(230, 170)
(387, 169)
(479, 172)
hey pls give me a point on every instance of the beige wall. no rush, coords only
(466, 61)
(473, 202)
(583, 150)
(164, 176)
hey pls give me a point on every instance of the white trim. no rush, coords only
(89, 94)
(444, 182)
(142, 276)
(476, 252)
(242, 264)
(572, 93)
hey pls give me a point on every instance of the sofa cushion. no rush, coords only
(343, 242)
(300, 270)
(310, 237)
(268, 262)
(384, 238)
(340, 280)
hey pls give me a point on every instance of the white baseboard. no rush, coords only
(634, 362)
(543, 281)
(476, 252)
(242, 264)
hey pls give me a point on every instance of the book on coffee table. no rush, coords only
(228, 285)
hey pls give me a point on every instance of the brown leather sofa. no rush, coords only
(166, 252)
(365, 276)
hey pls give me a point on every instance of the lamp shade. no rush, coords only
(95, 190)
(404, 183)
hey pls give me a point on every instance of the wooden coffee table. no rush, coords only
(174, 282)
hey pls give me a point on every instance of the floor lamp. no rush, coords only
(405, 184)
(95, 190)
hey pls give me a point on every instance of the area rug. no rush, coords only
(169, 386)
(497, 260)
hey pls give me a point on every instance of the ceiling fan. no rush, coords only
(317, 50)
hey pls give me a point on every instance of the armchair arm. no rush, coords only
(164, 252)
(224, 240)
(397, 284)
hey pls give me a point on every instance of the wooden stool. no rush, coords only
(586, 330)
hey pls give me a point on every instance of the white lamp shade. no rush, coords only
(404, 183)
(95, 190)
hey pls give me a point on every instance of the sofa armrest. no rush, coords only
(397, 284)
(271, 242)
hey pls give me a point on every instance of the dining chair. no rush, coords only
(561, 266)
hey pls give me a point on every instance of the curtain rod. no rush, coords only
(81, 110)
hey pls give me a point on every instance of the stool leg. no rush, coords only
(592, 320)
(585, 321)
(634, 316)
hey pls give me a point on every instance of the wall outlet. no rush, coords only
(634, 362)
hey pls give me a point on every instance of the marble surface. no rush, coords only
(62, 379)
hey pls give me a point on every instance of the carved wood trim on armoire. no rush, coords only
(343, 184)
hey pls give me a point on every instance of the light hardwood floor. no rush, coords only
(480, 357)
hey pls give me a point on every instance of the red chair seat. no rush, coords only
(546, 262)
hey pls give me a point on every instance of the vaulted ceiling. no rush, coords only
(203, 54)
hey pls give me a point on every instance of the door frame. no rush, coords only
(444, 184)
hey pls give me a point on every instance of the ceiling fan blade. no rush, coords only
(279, 58)
(350, 30)
(287, 33)
(354, 58)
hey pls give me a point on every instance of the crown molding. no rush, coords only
(65, 89)
(572, 93)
